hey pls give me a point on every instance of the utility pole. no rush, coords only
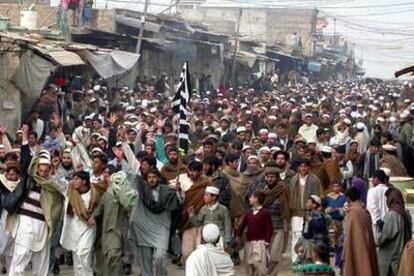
(142, 27)
(334, 33)
(171, 5)
(236, 48)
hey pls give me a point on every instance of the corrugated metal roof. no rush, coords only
(60, 56)
(66, 58)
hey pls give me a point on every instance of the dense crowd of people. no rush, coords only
(95, 178)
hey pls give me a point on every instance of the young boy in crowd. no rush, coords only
(335, 202)
(319, 267)
(213, 212)
(258, 221)
(315, 230)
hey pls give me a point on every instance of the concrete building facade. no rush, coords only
(273, 26)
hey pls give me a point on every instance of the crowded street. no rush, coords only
(206, 137)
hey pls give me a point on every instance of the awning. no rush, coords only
(60, 56)
(109, 64)
(32, 74)
(406, 70)
(279, 54)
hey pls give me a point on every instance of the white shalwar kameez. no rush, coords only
(209, 260)
(30, 242)
(79, 238)
(6, 240)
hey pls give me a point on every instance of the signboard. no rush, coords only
(314, 66)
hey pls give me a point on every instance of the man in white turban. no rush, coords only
(208, 258)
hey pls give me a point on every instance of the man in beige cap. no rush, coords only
(390, 161)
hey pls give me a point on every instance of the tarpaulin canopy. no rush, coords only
(108, 64)
(32, 74)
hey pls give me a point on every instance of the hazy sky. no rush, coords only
(382, 30)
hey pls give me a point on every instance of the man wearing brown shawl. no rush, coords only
(303, 185)
(395, 233)
(330, 166)
(194, 199)
(174, 167)
(390, 161)
(238, 195)
(277, 202)
(359, 254)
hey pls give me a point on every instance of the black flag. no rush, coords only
(179, 105)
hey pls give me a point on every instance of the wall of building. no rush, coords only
(282, 23)
(10, 96)
(46, 15)
(104, 19)
(268, 25)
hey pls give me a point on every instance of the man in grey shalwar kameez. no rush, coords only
(151, 221)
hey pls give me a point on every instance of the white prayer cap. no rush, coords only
(392, 119)
(263, 131)
(241, 129)
(264, 149)
(347, 121)
(387, 171)
(130, 108)
(326, 116)
(253, 157)
(274, 107)
(360, 126)
(96, 88)
(66, 151)
(44, 161)
(272, 135)
(326, 149)
(246, 147)
(2, 146)
(380, 120)
(97, 150)
(275, 149)
(101, 137)
(317, 199)
(407, 101)
(211, 233)
(90, 92)
(44, 153)
(311, 141)
(389, 147)
(212, 190)
(308, 115)
(153, 109)
(403, 115)
(92, 100)
(272, 117)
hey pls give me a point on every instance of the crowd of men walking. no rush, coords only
(95, 178)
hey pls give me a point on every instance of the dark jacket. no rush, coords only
(223, 184)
